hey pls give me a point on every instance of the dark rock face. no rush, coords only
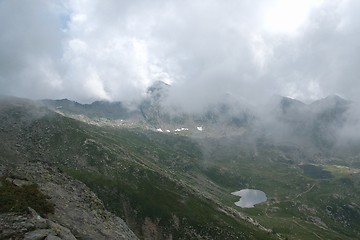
(31, 226)
(79, 214)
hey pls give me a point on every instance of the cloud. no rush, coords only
(321, 60)
(208, 50)
(29, 41)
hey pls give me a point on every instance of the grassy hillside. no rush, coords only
(141, 176)
(167, 185)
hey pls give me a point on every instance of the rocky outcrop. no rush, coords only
(31, 226)
(79, 214)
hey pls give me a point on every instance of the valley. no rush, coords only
(177, 186)
(179, 120)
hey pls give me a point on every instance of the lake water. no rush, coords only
(249, 197)
(316, 171)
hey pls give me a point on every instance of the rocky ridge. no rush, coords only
(79, 213)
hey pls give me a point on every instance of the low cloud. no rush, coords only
(207, 51)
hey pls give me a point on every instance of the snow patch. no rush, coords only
(200, 129)
(159, 130)
(181, 129)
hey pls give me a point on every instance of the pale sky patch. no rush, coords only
(287, 16)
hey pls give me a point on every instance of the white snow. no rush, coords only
(159, 130)
(181, 129)
(168, 130)
(200, 128)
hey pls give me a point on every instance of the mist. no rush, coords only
(115, 50)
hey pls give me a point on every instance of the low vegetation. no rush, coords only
(182, 185)
(15, 198)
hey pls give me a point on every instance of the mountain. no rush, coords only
(323, 129)
(178, 184)
(98, 109)
(224, 118)
(317, 127)
(140, 175)
(32, 186)
(69, 209)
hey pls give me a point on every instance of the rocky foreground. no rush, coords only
(77, 211)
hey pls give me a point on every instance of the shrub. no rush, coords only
(17, 199)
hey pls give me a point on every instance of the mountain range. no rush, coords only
(321, 127)
(168, 172)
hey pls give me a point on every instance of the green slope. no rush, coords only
(141, 176)
(167, 185)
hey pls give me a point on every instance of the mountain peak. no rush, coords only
(331, 100)
(284, 104)
(157, 85)
(335, 98)
(158, 89)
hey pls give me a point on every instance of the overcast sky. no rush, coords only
(115, 49)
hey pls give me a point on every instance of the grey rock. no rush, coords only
(31, 226)
(15, 225)
(39, 221)
(52, 237)
(38, 234)
(18, 182)
(2, 171)
(79, 213)
(21, 183)
(61, 231)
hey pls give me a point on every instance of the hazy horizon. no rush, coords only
(207, 51)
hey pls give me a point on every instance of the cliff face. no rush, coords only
(78, 213)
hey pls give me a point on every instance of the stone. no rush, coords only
(61, 231)
(38, 234)
(39, 221)
(52, 237)
(21, 183)
(79, 213)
